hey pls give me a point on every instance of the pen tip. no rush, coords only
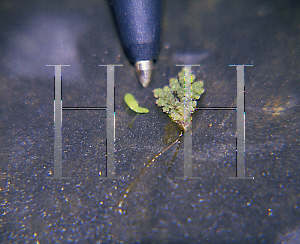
(144, 70)
(144, 77)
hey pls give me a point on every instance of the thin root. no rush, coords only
(129, 189)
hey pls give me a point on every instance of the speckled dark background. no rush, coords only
(159, 209)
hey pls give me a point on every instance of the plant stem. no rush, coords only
(130, 124)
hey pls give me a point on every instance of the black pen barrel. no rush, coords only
(139, 24)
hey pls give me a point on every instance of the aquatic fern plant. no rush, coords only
(171, 98)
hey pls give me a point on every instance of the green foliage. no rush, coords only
(133, 104)
(172, 98)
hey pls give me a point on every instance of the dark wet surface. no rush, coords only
(159, 209)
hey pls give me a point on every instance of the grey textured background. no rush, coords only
(159, 209)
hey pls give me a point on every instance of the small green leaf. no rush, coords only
(160, 102)
(133, 104)
(165, 109)
(174, 84)
(158, 92)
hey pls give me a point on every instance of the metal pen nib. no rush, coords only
(144, 70)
